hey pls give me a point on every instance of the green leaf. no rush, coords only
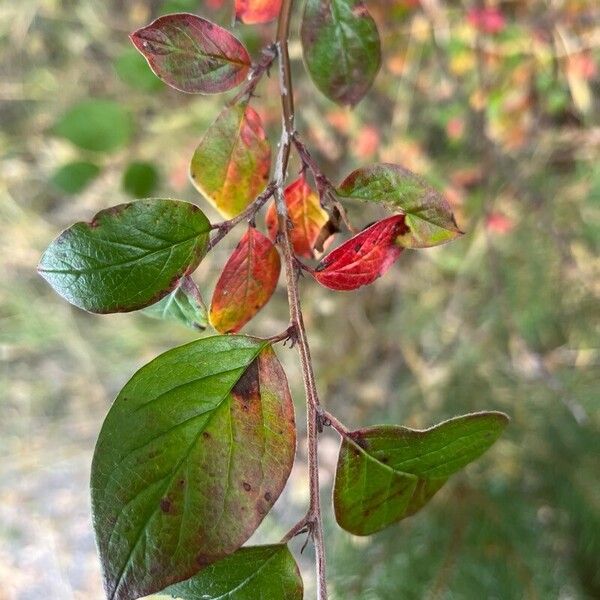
(192, 54)
(74, 176)
(179, 6)
(268, 572)
(184, 304)
(140, 179)
(231, 165)
(387, 472)
(341, 48)
(98, 125)
(132, 69)
(192, 455)
(428, 214)
(128, 257)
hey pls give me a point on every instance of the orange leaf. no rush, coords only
(363, 258)
(305, 213)
(247, 282)
(256, 11)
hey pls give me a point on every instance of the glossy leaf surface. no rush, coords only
(128, 257)
(252, 573)
(231, 165)
(247, 282)
(341, 48)
(191, 457)
(429, 217)
(306, 215)
(386, 473)
(256, 11)
(184, 305)
(192, 54)
(363, 258)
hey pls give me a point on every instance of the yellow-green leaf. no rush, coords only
(232, 162)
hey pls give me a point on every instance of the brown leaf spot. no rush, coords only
(246, 486)
(268, 496)
(247, 385)
(165, 505)
(202, 560)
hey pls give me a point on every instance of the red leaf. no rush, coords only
(256, 11)
(487, 20)
(247, 282)
(363, 258)
(306, 215)
(192, 54)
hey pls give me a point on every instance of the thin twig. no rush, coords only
(302, 526)
(313, 409)
(261, 67)
(328, 420)
(326, 189)
(289, 335)
(248, 214)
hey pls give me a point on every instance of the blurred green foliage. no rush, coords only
(505, 123)
(140, 179)
(97, 125)
(74, 176)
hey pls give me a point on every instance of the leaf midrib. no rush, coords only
(119, 578)
(141, 257)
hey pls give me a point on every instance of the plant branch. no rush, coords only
(313, 409)
(225, 227)
(329, 420)
(327, 194)
(262, 66)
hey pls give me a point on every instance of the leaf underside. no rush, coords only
(192, 54)
(231, 165)
(252, 573)
(192, 455)
(184, 305)
(128, 257)
(429, 217)
(386, 473)
(341, 48)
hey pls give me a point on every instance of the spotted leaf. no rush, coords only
(429, 219)
(387, 472)
(363, 258)
(192, 455)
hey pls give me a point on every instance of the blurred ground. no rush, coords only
(499, 108)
